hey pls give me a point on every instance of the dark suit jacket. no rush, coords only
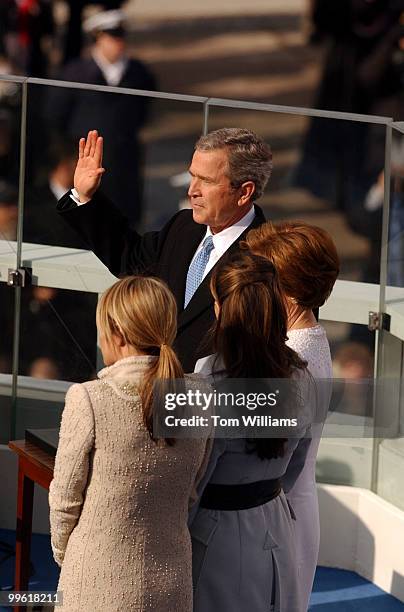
(42, 224)
(166, 253)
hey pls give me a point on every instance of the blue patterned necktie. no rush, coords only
(197, 268)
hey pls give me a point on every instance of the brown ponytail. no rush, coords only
(250, 331)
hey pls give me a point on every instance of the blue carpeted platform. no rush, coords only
(334, 590)
(344, 591)
(45, 571)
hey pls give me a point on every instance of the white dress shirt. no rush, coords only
(75, 197)
(112, 72)
(224, 239)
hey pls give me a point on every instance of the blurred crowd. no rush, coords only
(91, 50)
(363, 73)
(341, 162)
(29, 33)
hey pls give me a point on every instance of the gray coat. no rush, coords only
(244, 560)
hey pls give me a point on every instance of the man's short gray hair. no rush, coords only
(250, 158)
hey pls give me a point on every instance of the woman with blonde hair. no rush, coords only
(307, 263)
(119, 497)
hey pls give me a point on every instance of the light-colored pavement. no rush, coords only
(179, 9)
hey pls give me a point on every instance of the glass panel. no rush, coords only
(390, 451)
(348, 461)
(395, 251)
(389, 460)
(147, 146)
(321, 175)
(169, 141)
(58, 342)
(10, 126)
(58, 334)
(148, 143)
(327, 172)
(6, 359)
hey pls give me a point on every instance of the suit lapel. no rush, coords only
(202, 298)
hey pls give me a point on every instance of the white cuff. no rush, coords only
(75, 197)
(374, 198)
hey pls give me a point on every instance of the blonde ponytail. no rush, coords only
(144, 312)
(167, 367)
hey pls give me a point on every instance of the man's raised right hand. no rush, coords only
(89, 170)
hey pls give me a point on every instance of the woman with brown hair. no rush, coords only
(242, 532)
(119, 497)
(307, 263)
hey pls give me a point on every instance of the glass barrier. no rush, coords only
(389, 453)
(348, 460)
(148, 143)
(7, 311)
(11, 115)
(394, 255)
(58, 336)
(328, 169)
(323, 169)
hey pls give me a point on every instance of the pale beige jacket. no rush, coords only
(119, 502)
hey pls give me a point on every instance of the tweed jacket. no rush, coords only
(119, 502)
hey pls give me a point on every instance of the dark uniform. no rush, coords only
(72, 112)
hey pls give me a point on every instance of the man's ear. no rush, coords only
(247, 190)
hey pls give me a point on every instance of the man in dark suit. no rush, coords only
(229, 170)
(72, 112)
(42, 224)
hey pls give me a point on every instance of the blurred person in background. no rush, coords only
(367, 220)
(42, 224)
(363, 73)
(58, 346)
(8, 231)
(8, 211)
(118, 117)
(74, 35)
(354, 361)
(26, 28)
(6, 7)
(10, 120)
(58, 337)
(7, 328)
